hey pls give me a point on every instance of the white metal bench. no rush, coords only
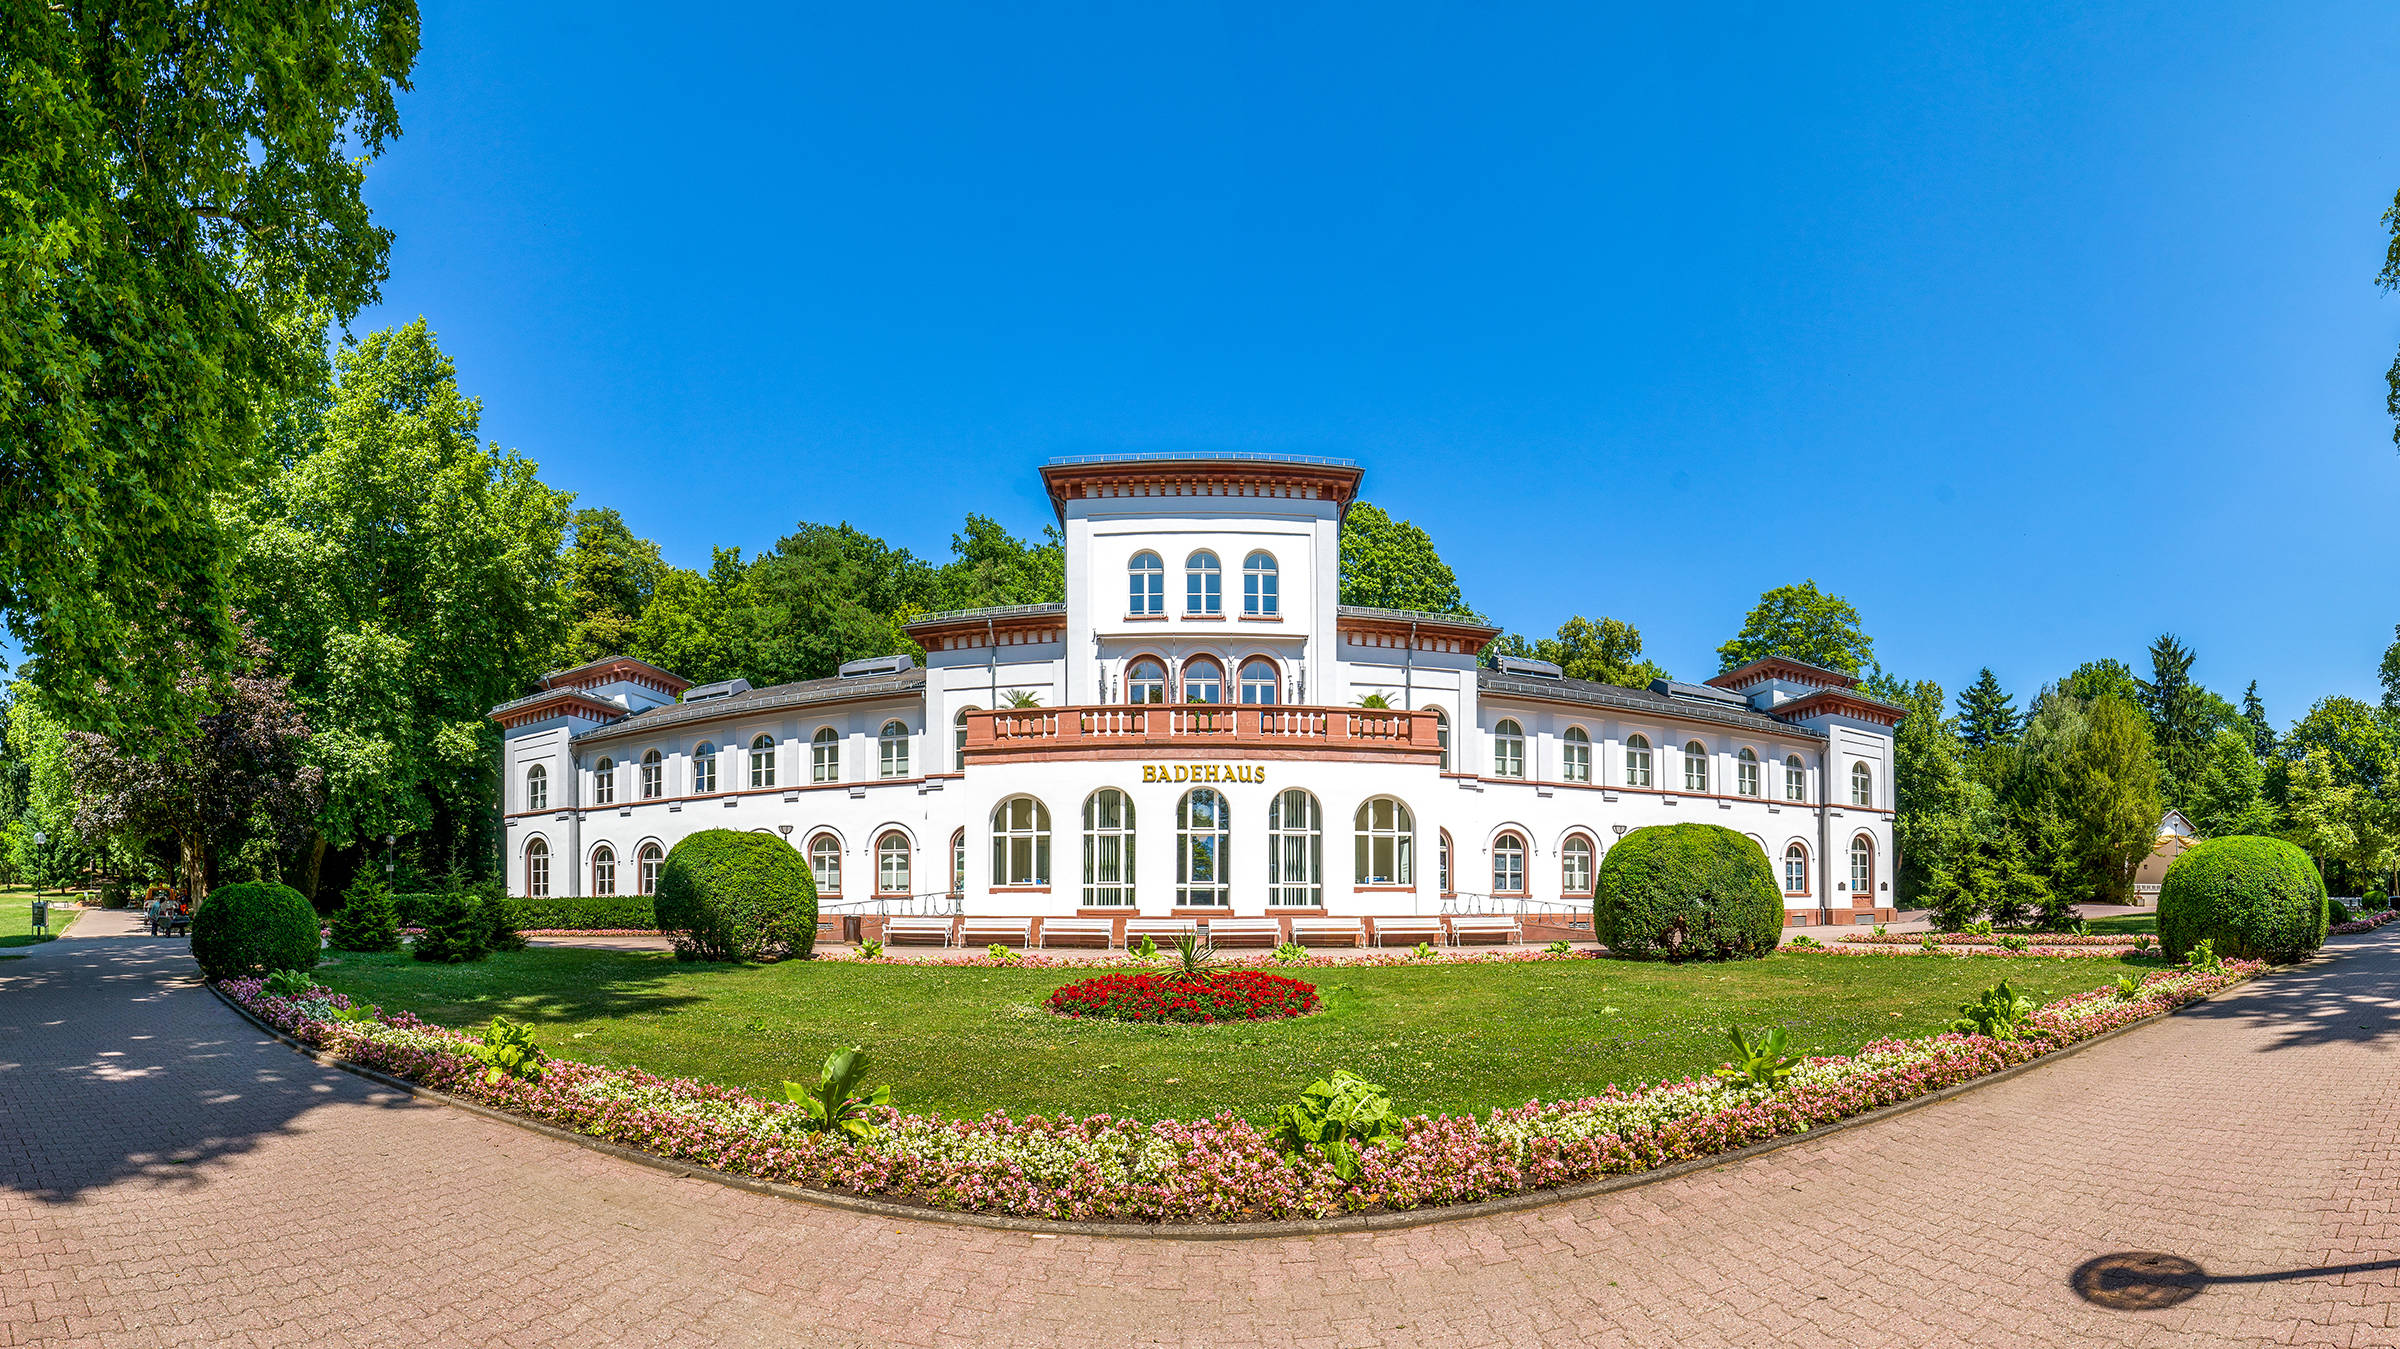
(1080, 928)
(903, 927)
(1485, 925)
(987, 929)
(1223, 930)
(1164, 931)
(1329, 928)
(1426, 928)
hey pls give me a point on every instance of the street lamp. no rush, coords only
(388, 841)
(39, 839)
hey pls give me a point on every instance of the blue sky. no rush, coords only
(2034, 332)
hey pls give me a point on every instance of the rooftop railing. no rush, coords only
(1203, 728)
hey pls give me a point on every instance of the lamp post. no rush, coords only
(39, 840)
(389, 840)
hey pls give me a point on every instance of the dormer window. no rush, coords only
(1147, 586)
(1259, 598)
(1203, 586)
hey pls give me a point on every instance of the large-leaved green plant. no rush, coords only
(835, 1104)
(1338, 1115)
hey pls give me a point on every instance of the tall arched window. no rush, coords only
(1695, 767)
(1508, 749)
(958, 861)
(1259, 599)
(537, 788)
(1575, 755)
(1441, 863)
(1147, 588)
(1795, 870)
(825, 864)
(654, 776)
(1203, 680)
(1203, 840)
(1745, 771)
(1260, 682)
(537, 868)
(1637, 761)
(1575, 866)
(1295, 850)
(1795, 779)
(891, 749)
(891, 864)
(825, 755)
(1108, 849)
(1862, 866)
(1145, 681)
(1203, 585)
(1862, 785)
(958, 740)
(652, 857)
(1020, 842)
(762, 761)
(604, 870)
(604, 782)
(1441, 735)
(704, 769)
(1508, 865)
(1385, 845)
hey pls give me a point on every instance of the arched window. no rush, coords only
(1637, 761)
(1575, 755)
(1441, 735)
(825, 864)
(1147, 597)
(1795, 779)
(648, 863)
(1295, 850)
(1020, 842)
(958, 861)
(1508, 865)
(1203, 839)
(1862, 866)
(1442, 864)
(891, 864)
(537, 868)
(604, 870)
(1203, 585)
(654, 776)
(1862, 785)
(1108, 849)
(1508, 749)
(1386, 843)
(825, 755)
(958, 739)
(1259, 599)
(1745, 772)
(762, 761)
(1203, 680)
(1695, 767)
(1260, 682)
(1795, 870)
(537, 788)
(604, 783)
(704, 769)
(1575, 866)
(891, 749)
(1145, 681)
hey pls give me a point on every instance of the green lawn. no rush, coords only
(16, 917)
(2127, 923)
(1454, 1038)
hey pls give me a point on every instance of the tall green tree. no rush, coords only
(610, 575)
(1986, 715)
(827, 594)
(176, 180)
(2107, 677)
(2181, 722)
(1942, 809)
(1392, 564)
(1606, 651)
(2358, 740)
(688, 626)
(2255, 726)
(1803, 623)
(989, 566)
(2082, 791)
(2389, 673)
(2228, 796)
(2389, 279)
(37, 745)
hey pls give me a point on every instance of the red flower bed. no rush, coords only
(1235, 995)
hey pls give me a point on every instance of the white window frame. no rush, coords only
(1108, 845)
(1795, 869)
(1214, 838)
(537, 788)
(762, 761)
(891, 751)
(1745, 771)
(1260, 585)
(1862, 784)
(1508, 864)
(1020, 843)
(825, 864)
(1203, 584)
(1795, 778)
(537, 869)
(1695, 766)
(1146, 585)
(1637, 761)
(604, 782)
(1295, 850)
(1575, 755)
(704, 769)
(654, 775)
(891, 863)
(1508, 749)
(825, 755)
(1388, 842)
(1575, 869)
(648, 863)
(604, 871)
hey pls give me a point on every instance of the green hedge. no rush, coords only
(583, 914)
(2257, 898)
(1687, 892)
(254, 927)
(729, 895)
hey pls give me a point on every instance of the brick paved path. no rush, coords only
(167, 1176)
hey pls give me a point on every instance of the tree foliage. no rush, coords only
(175, 180)
(2228, 796)
(611, 577)
(1606, 651)
(1803, 623)
(2181, 722)
(1986, 715)
(1392, 564)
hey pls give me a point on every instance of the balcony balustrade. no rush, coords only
(1160, 729)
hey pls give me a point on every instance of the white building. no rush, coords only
(1185, 735)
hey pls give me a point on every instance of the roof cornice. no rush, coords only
(1200, 475)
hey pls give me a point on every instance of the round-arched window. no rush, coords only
(892, 749)
(1508, 749)
(1203, 680)
(1295, 850)
(1203, 585)
(762, 761)
(1795, 870)
(1795, 779)
(648, 864)
(1862, 785)
(1575, 866)
(1745, 771)
(604, 870)
(1259, 599)
(704, 768)
(1020, 842)
(1147, 586)
(1203, 842)
(1862, 866)
(891, 864)
(1575, 755)
(825, 864)
(825, 755)
(1108, 849)
(537, 868)
(1145, 681)
(1508, 865)
(1384, 841)
(537, 788)
(1637, 761)
(654, 776)
(1695, 767)
(1260, 682)
(604, 782)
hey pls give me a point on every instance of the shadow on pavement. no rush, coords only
(2349, 995)
(2143, 1281)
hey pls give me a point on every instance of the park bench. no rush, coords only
(1007, 931)
(1164, 931)
(1079, 929)
(1328, 929)
(1499, 925)
(908, 926)
(1266, 930)
(1421, 928)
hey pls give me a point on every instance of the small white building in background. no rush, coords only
(1185, 735)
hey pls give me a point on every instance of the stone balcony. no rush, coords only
(1170, 731)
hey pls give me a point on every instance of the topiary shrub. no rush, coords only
(2373, 901)
(1688, 892)
(456, 930)
(728, 895)
(254, 927)
(2256, 898)
(366, 922)
(603, 911)
(2336, 911)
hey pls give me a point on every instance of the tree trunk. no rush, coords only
(195, 868)
(315, 870)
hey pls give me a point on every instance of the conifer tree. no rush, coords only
(2179, 720)
(1986, 715)
(2256, 726)
(366, 922)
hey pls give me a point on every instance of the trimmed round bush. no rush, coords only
(254, 927)
(2257, 898)
(1687, 892)
(733, 896)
